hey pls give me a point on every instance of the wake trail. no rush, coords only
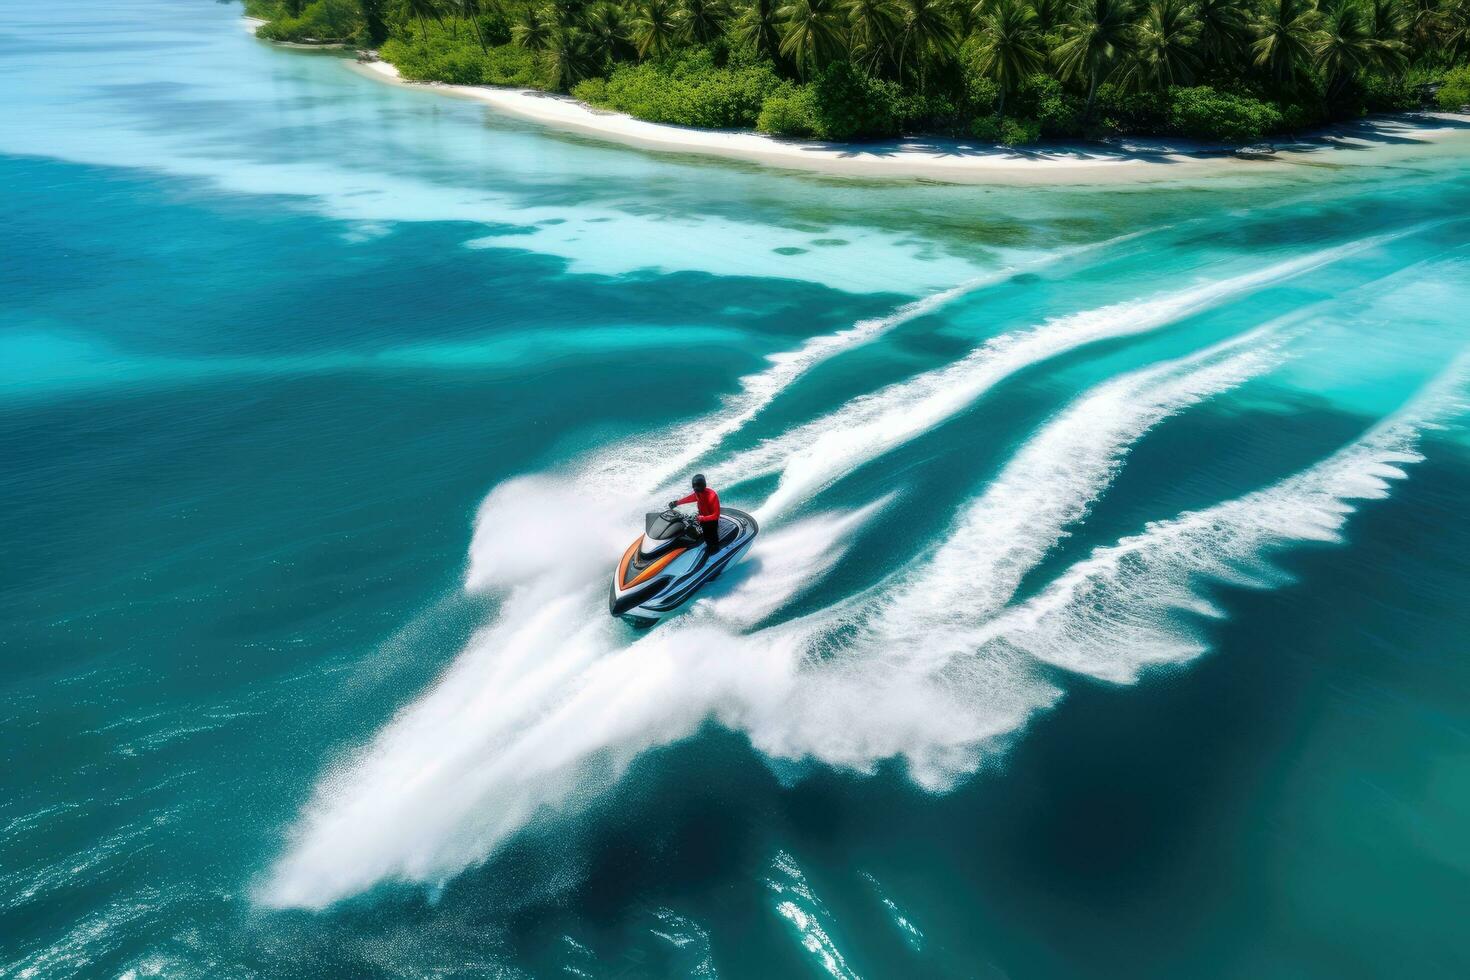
(549, 704)
(1117, 612)
(543, 710)
(1051, 484)
(628, 472)
(891, 678)
(944, 701)
(668, 453)
(812, 456)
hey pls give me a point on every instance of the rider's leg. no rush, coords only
(711, 535)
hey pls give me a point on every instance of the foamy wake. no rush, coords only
(513, 537)
(549, 704)
(626, 474)
(893, 679)
(545, 708)
(811, 456)
(1118, 611)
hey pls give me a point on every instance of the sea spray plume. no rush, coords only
(545, 708)
(1118, 611)
(812, 456)
(400, 797)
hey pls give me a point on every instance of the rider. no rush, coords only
(709, 511)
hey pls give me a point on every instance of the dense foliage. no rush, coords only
(1455, 92)
(1007, 71)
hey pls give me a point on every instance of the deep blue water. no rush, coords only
(1107, 617)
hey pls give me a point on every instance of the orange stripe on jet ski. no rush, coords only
(653, 569)
(623, 565)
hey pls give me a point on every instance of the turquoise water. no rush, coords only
(1107, 618)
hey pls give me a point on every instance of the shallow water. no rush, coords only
(1107, 616)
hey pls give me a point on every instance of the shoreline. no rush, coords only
(950, 160)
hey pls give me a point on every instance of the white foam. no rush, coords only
(893, 681)
(812, 456)
(628, 472)
(1048, 485)
(551, 704)
(544, 709)
(1118, 611)
(782, 563)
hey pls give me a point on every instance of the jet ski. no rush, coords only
(670, 562)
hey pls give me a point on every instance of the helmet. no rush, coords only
(698, 481)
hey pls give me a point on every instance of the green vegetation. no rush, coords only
(1004, 71)
(1455, 92)
(321, 21)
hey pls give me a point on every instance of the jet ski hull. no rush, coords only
(654, 578)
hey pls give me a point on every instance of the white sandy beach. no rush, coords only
(954, 161)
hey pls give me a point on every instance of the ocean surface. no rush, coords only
(1108, 617)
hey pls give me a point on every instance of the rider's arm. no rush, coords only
(685, 500)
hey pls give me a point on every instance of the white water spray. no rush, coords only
(811, 456)
(1118, 611)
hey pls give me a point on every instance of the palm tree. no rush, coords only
(423, 9)
(702, 20)
(1049, 13)
(814, 35)
(1010, 45)
(1343, 46)
(873, 27)
(1455, 29)
(569, 57)
(1285, 40)
(1386, 19)
(1099, 36)
(1224, 27)
(1386, 26)
(472, 9)
(759, 26)
(532, 29)
(927, 36)
(1424, 25)
(1165, 47)
(607, 28)
(655, 28)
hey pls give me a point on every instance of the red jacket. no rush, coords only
(709, 504)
